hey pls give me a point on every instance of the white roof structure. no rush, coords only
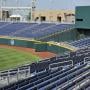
(16, 8)
(15, 16)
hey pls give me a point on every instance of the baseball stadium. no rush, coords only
(44, 49)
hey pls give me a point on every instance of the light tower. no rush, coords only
(33, 10)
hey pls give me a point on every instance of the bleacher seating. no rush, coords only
(3, 23)
(32, 30)
(81, 43)
(53, 79)
(61, 78)
(13, 27)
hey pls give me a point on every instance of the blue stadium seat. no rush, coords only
(81, 43)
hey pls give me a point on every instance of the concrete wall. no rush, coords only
(0, 15)
(51, 15)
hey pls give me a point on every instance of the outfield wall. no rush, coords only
(37, 45)
(68, 35)
(50, 47)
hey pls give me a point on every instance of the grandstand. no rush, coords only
(32, 30)
(69, 69)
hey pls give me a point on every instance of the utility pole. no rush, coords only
(1, 10)
(5, 11)
(33, 10)
(17, 5)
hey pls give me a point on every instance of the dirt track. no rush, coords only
(42, 55)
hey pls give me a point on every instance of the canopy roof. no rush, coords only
(15, 16)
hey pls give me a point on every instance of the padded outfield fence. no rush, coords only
(61, 36)
(29, 43)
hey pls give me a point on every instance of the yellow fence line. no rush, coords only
(61, 44)
(64, 45)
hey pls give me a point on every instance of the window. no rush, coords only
(59, 19)
(43, 18)
(79, 19)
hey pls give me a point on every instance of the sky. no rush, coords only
(61, 4)
(50, 4)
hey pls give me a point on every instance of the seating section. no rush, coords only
(3, 23)
(75, 75)
(11, 28)
(53, 79)
(81, 43)
(32, 30)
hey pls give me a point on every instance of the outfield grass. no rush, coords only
(12, 58)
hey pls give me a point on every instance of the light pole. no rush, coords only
(17, 11)
(51, 12)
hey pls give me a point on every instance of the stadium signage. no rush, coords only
(12, 42)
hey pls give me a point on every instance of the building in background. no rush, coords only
(55, 16)
(30, 13)
(15, 14)
(82, 21)
(39, 16)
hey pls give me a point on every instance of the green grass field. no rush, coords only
(12, 58)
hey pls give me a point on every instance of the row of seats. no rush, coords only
(84, 83)
(3, 23)
(81, 43)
